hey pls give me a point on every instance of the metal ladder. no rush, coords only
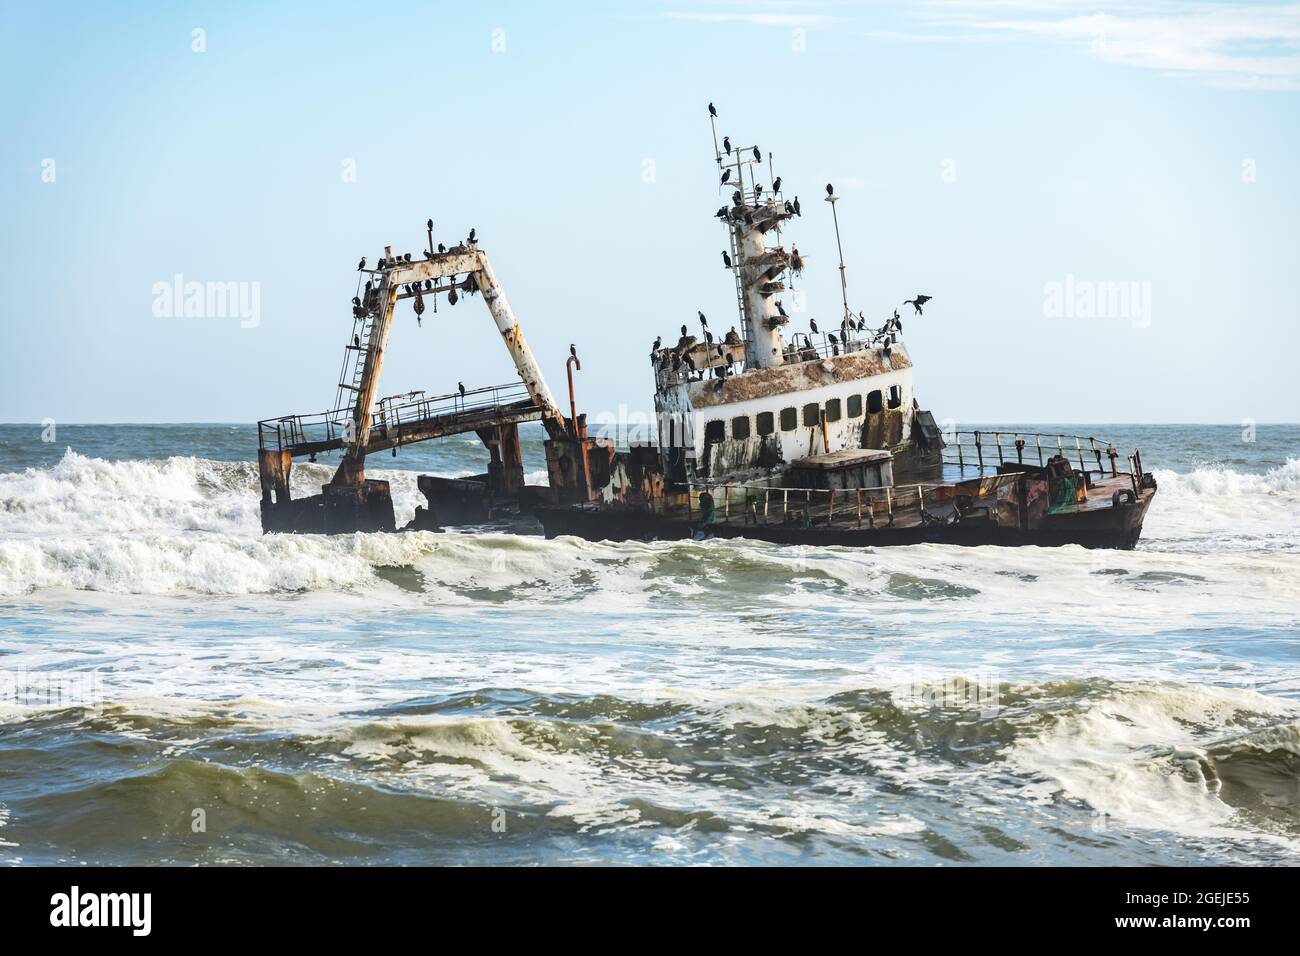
(354, 362)
(736, 265)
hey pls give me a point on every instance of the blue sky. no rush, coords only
(984, 152)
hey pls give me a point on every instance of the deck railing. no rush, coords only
(388, 413)
(753, 503)
(987, 450)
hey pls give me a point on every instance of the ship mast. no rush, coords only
(844, 287)
(757, 268)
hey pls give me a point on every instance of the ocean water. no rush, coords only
(177, 688)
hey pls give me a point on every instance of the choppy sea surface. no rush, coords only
(177, 688)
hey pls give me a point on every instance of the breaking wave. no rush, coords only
(190, 524)
(672, 773)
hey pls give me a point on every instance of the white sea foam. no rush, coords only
(189, 524)
(1139, 756)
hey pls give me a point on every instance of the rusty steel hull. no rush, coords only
(1116, 528)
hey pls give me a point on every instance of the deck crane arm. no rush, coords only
(469, 261)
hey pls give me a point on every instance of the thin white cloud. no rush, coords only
(1253, 46)
(1237, 45)
(758, 18)
(767, 13)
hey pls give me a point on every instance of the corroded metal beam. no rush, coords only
(468, 260)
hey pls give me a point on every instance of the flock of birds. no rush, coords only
(366, 301)
(682, 355)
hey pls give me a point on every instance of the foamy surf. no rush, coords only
(386, 698)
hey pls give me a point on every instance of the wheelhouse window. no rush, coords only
(812, 414)
(715, 431)
(789, 419)
(854, 406)
(766, 423)
(832, 409)
(895, 396)
(740, 426)
(875, 402)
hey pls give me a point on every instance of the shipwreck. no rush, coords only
(795, 437)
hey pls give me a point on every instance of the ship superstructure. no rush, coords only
(747, 403)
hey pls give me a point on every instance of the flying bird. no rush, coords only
(916, 303)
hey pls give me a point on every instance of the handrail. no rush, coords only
(767, 504)
(331, 425)
(973, 454)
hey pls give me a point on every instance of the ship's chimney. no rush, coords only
(764, 345)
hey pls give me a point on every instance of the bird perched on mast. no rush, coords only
(726, 259)
(726, 174)
(776, 184)
(712, 111)
(758, 156)
(830, 190)
(726, 144)
(795, 204)
(362, 264)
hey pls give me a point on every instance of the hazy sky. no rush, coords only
(1009, 159)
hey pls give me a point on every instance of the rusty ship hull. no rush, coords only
(1011, 510)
